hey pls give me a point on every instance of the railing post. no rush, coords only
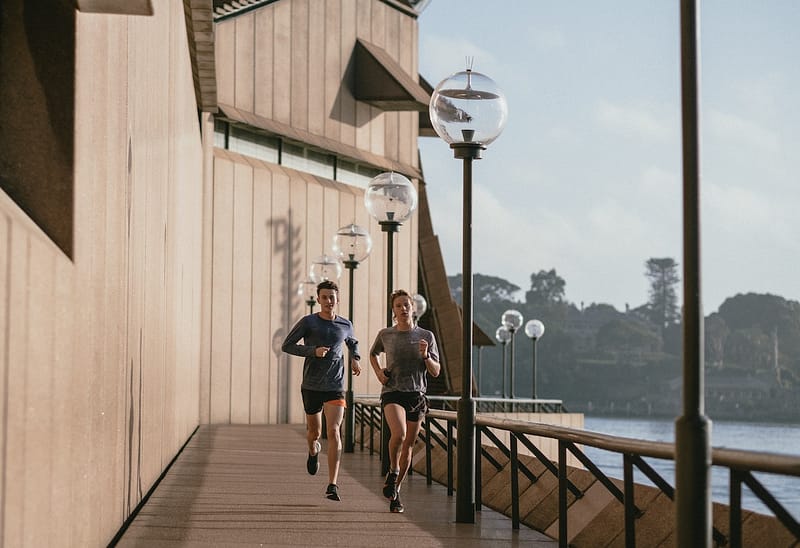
(735, 517)
(449, 458)
(514, 483)
(428, 458)
(478, 475)
(562, 494)
(630, 503)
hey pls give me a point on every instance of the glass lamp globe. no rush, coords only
(390, 197)
(420, 305)
(468, 107)
(502, 335)
(512, 320)
(352, 243)
(325, 267)
(308, 290)
(534, 329)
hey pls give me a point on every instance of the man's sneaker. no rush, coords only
(396, 507)
(390, 487)
(332, 493)
(312, 464)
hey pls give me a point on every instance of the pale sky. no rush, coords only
(586, 178)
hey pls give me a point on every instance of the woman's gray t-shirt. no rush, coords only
(407, 372)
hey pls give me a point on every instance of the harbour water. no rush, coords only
(762, 437)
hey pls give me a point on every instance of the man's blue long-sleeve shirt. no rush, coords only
(327, 373)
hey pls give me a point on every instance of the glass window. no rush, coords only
(310, 161)
(254, 144)
(220, 127)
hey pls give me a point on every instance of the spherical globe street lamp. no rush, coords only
(468, 111)
(503, 335)
(534, 329)
(351, 244)
(512, 319)
(325, 267)
(308, 290)
(390, 199)
(420, 305)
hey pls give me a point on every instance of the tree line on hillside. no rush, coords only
(601, 360)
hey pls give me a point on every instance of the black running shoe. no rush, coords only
(390, 486)
(312, 464)
(396, 507)
(332, 492)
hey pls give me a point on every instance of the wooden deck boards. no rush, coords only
(248, 486)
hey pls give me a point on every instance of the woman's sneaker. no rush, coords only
(396, 507)
(390, 486)
(312, 463)
(332, 492)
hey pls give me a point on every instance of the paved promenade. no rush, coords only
(248, 486)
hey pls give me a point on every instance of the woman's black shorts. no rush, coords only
(415, 403)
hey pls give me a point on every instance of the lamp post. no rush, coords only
(693, 428)
(352, 245)
(308, 290)
(534, 329)
(512, 319)
(390, 199)
(502, 335)
(468, 111)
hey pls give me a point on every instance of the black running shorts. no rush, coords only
(415, 403)
(314, 399)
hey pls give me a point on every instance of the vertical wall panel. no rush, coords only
(263, 77)
(17, 352)
(333, 68)
(38, 393)
(242, 294)
(5, 261)
(318, 36)
(244, 56)
(299, 68)
(363, 110)
(224, 181)
(347, 109)
(225, 57)
(285, 274)
(260, 387)
(282, 65)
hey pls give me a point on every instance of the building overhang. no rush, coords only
(381, 82)
(118, 7)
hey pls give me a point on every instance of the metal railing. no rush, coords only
(439, 431)
(501, 405)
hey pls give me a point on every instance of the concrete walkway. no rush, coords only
(248, 486)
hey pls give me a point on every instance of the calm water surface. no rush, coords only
(763, 437)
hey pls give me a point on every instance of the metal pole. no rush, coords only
(511, 380)
(349, 418)
(533, 372)
(465, 492)
(390, 227)
(693, 429)
(505, 375)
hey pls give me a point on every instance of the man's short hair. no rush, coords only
(327, 284)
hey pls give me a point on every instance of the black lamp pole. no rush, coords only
(389, 227)
(349, 416)
(511, 381)
(310, 302)
(465, 428)
(505, 371)
(533, 372)
(693, 429)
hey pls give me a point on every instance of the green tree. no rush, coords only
(663, 303)
(485, 289)
(547, 288)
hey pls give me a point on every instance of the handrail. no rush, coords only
(741, 464)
